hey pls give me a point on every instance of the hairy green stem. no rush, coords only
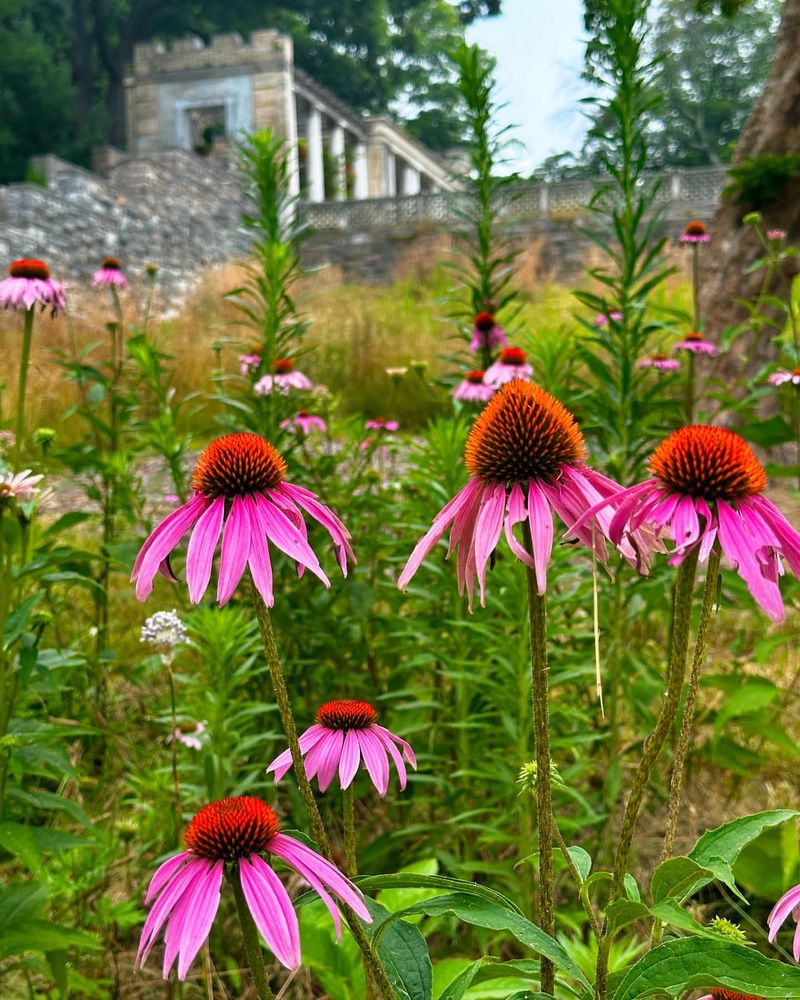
(349, 819)
(584, 895)
(252, 944)
(690, 390)
(676, 672)
(24, 364)
(375, 970)
(541, 733)
(176, 788)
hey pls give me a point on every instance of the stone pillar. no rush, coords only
(410, 181)
(316, 162)
(336, 152)
(360, 175)
(390, 178)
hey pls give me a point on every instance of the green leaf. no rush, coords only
(624, 912)
(767, 433)
(403, 953)
(410, 880)
(57, 960)
(42, 936)
(700, 963)
(582, 861)
(480, 912)
(17, 621)
(20, 901)
(20, 841)
(671, 912)
(727, 841)
(677, 877)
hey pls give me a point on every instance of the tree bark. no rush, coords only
(773, 127)
(81, 66)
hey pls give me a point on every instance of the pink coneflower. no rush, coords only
(776, 235)
(239, 480)
(192, 735)
(19, 486)
(474, 389)
(236, 833)
(487, 333)
(249, 363)
(660, 361)
(601, 319)
(695, 232)
(782, 375)
(282, 380)
(7, 440)
(510, 365)
(706, 488)
(381, 424)
(347, 733)
(110, 273)
(29, 284)
(788, 904)
(695, 343)
(305, 421)
(525, 457)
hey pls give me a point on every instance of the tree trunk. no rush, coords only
(81, 67)
(773, 127)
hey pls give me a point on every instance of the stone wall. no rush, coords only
(182, 212)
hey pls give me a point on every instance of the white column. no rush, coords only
(316, 163)
(390, 180)
(410, 180)
(336, 152)
(360, 175)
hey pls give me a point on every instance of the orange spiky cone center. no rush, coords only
(238, 465)
(709, 462)
(695, 228)
(348, 713)
(232, 828)
(29, 269)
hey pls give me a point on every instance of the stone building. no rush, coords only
(200, 97)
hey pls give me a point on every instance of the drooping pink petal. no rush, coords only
(394, 753)
(164, 873)
(685, 523)
(738, 547)
(329, 762)
(443, 519)
(540, 519)
(408, 753)
(202, 545)
(350, 758)
(258, 560)
(162, 540)
(182, 913)
(516, 512)
(284, 535)
(235, 550)
(781, 910)
(164, 905)
(283, 762)
(324, 516)
(197, 926)
(373, 753)
(318, 754)
(297, 855)
(788, 537)
(271, 910)
(488, 528)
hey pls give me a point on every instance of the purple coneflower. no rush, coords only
(29, 284)
(781, 376)
(249, 363)
(305, 421)
(788, 904)
(237, 832)
(240, 480)
(695, 343)
(110, 273)
(601, 319)
(283, 379)
(695, 232)
(487, 333)
(473, 389)
(525, 456)
(510, 365)
(347, 733)
(776, 235)
(660, 361)
(19, 486)
(381, 424)
(707, 487)
(191, 735)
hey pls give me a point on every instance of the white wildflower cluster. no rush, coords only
(164, 630)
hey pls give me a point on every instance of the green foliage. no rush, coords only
(759, 181)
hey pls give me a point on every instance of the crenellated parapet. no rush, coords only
(265, 48)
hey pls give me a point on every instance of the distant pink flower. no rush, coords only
(191, 737)
(661, 362)
(7, 440)
(601, 319)
(239, 480)
(782, 376)
(248, 363)
(707, 488)
(29, 284)
(788, 904)
(487, 333)
(236, 833)
(347, 733)
(381, 424)
(305, 421)
(19, 486)
(171, 498)
(510, 365)
(695, 343)
(282, 380)
(777, 235)
(525, 456)
(473, 389)
(695, 232)
(110, 273)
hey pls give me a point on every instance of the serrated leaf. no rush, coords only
(727, 841)
(675, 877)
(402, 951)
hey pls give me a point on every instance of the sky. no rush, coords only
(539, 48)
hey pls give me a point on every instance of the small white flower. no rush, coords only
(164, 629)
